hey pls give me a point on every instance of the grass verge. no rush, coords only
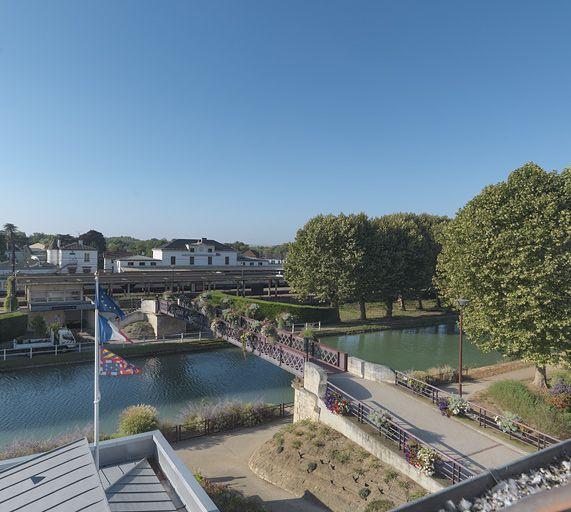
(530, 406)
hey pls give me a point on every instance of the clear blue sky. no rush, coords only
(242, 119)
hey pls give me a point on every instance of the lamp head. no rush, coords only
(462, 303)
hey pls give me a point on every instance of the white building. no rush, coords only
(195, 252)
(74, 258)
(135, 263)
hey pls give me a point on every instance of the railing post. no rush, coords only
(79, 348)
(31, 352)
(55, 350)
(199, 335)
(181, 337)
(4, 354)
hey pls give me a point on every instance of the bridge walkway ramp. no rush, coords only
(422, 419)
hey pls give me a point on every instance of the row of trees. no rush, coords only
(343, 258)
(508, 252)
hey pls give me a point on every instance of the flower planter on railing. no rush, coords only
(511, 426)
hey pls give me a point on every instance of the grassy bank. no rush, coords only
(271, 309)
(531, 406)
(127, 351)
(377, 310)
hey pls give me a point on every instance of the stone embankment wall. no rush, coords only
(163, 325)
(309, 404)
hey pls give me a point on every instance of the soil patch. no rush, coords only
(307, 456)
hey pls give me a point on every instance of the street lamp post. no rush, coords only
(462, 303)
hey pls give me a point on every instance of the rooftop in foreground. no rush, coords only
(138, 474)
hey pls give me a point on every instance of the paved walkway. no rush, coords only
(473, 449)
(223, 458)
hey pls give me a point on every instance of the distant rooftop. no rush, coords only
(181, 243)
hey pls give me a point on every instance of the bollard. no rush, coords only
(31, 352)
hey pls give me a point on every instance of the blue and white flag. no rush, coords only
(108, 305)
(108, 331)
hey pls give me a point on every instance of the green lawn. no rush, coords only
(377, 310)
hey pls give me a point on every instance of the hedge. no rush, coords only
(302, 313)
(12, 325)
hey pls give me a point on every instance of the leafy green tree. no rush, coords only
(508, 251)
(11, 236)
(38, 325)
(42, 238)
(395, 254)
(324, 259)
(63, 239)
(239, 246)
(423, 274)
(11, 299)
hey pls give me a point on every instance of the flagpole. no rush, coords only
(96, 394)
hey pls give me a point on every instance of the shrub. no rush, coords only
(139, 330)
(11, 299)
(137, 419)
(253, 310)
(38, 325)
(380, 506)
(340, 456)
(224, 415)
(312, 466)
(296, 443)
(560, 395)
(364, 493)
(12, 325)
(307, 333)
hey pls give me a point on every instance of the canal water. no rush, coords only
(50, 401)
(419, 348)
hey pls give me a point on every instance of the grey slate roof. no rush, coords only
(61, 480)
(180, 244)
(135, 487)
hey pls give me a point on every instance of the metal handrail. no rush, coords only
(446, 466)
(485, 417)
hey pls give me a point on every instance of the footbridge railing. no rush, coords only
(485, 418)
(444, 466)
(284, 349)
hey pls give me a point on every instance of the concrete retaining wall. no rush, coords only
(370, 371)
(309, 405)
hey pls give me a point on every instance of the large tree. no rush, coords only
(395, 255)
(94, 239)
(11, 235)
(325, 258)
(508, 251)
(429, 226)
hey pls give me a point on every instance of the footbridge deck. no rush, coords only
(284, 349)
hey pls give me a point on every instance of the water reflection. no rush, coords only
(418, 348)
(35, 403)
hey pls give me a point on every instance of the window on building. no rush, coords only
(192, 249)
(226, 260)
(72, 270)
(173, 260)
(259, 263)
(86, 270)
(86, 257)
(209, 249)
(141, 263)
(130, 264)
(210, 260)
(153, 263)
(192, 260)
(251, 263)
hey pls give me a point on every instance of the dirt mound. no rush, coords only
(309, 456)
